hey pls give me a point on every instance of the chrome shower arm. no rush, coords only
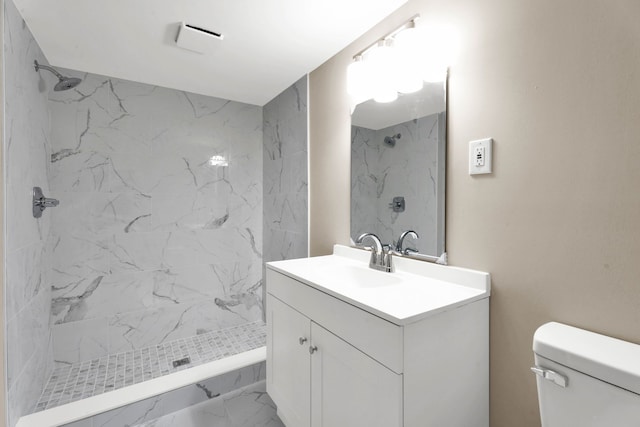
(46, 67)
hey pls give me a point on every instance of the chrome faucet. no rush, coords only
(380, 255)
(401, 242)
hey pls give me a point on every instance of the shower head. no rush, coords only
(67, 83)
(64, 83)
(391, 140)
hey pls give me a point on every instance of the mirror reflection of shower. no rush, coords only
(391, 140)
(64, 83)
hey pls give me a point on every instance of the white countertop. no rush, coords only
(414, 290)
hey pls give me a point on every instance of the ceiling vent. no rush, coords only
(196, 39)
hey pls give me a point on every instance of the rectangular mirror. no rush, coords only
(398, 159)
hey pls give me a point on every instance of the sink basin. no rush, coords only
(361, 276)
(415, 289)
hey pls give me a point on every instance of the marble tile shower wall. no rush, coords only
(158, 234)
(409, 169)
(26, 153)
(285, 174)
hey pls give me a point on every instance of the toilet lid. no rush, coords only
(608, 359)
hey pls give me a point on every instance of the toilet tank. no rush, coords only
(586, 379)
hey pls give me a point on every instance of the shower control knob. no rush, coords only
(302, 340)
(40, 203)
(313, 349)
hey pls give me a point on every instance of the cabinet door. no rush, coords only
(288, 362)
(349, 388)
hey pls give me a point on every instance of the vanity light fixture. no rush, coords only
(400, 62)
(382, 66)
(358, 79)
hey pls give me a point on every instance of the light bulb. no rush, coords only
(385, 95)
(383, 61)
(409, 82)
(359, 80)
(407, 45)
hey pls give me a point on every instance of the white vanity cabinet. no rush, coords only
(289, 362)
(340, 355)
(319, 380)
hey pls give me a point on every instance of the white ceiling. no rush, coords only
(267, 46)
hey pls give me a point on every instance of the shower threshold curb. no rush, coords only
(80, 409)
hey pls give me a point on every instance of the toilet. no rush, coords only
(586, 379)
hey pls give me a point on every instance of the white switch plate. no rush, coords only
(480, 156)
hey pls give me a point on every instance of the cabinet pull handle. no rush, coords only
(302, 340)
(313, 349)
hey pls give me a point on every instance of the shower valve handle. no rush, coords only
(40, 203)
(46, 202)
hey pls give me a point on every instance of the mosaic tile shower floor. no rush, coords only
(90, 378)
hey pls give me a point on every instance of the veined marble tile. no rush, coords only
(83, 340)
(77, 259)
(281, 244)
(210, 247)
(248, 406)
(126, 175)
(82, 171)
(34, 318)
(179, 285)
(251, 406)
(285, 211)
(122, 213)
(133, 252)
(75, 214)
(155, 185)
(28, 386)
(26, 276)
(175, 286)
(186, 170)
(144, 328)
(28, 354)
(152, 408)
(285, 121)
(245, 178)
(27, 150)
(275, 177)
(149, 327)
(191, 209)
(103, 296)
(94, 214)
(14, 361)
(297, 167)
(285, 180)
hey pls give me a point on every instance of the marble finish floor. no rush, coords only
(249, 406)
(90, 378)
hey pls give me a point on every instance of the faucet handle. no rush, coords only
(400, 242)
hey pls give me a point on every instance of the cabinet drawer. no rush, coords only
(380, 339)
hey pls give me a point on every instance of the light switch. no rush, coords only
(480, 156)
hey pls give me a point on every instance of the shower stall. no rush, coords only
(152, 263)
